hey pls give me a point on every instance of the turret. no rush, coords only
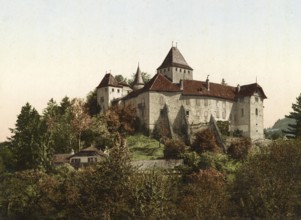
(138, 82)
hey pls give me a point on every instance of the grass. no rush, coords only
(144, 148)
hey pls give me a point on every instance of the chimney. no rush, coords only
(238, 88)
(208, 83)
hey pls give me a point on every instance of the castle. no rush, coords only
(185, 104)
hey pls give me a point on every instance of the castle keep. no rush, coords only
(172, 94)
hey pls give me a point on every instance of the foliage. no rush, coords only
(153, 195)
(121, 79)
(237, 133)
(174, 148)
(268, 184)
(204, 196)
(91, 105)
(122, 119)
(223, 126)
(58, 119)
(205, 141)
(239, 149)
(81, 121)
(29, 142)
(295, 128)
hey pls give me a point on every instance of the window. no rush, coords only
(197, 102)
(224, 115)
(242, 112)
(256, 111)
(256, 99)
(176, 69)
(180, 70)
(184, 71)
(113, 90)
(187, 113)
(188, 71)
(75, 160)
(118, 90)
(167, 69)
(128, 91)
(90, 159)
(106, 89)
(187, 101)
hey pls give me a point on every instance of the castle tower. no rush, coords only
(138, 82)
(175, 67)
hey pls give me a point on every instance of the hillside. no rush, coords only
(144, 148)
(282, 124)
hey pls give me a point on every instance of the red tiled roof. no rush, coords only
(174, 58)
(199, 88)
(108, 80)
(160, 83)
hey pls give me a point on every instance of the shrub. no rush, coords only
(239, 149)
(205, 141)
(174, 148)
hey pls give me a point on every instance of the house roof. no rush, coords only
(248, 90)
(90, 151)
(199, 88)
(60, 158)
(160, 83)
(174, 58)
(109, 80)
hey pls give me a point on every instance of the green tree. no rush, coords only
(295, 129)
(28, 142)
(91, 103)
(61, 137)
(268, 184)
(121, 79)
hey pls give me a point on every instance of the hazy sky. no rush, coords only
(53, 48)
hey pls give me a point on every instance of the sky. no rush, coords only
(57, 48)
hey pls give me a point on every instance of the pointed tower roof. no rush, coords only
(108, 80)
(138, 77)
(174, 58)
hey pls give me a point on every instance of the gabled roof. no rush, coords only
(138, 77)
(199, 88)
(174, 58)
(108, 80)
(90, 151)
(248, 90)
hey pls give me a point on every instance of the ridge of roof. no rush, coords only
(174, 58)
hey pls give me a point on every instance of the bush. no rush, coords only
(239, 149)
(205, 141)
(174, 149)
(204, 196)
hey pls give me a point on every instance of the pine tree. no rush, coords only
(295, 129)
(28, 142)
